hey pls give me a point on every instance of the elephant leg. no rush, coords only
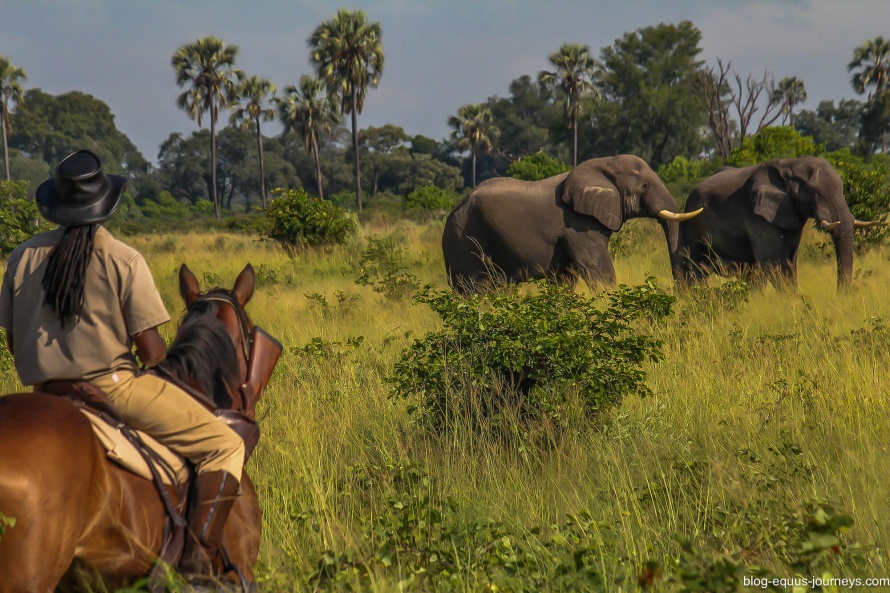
(600, 275)
(588, 256)
(777, 266)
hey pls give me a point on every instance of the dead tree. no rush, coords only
(733, 103)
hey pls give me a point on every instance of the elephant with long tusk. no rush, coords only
(754, 217)
(556, 228)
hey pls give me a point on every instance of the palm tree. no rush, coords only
(253, 94)
(207, 67)
(871, 70)
(348, 56)
(575, 70)
(11, 91)
(790, 92)
(871, 66)
(308, 111)
(473, 131)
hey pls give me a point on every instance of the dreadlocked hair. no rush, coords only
(66, 272)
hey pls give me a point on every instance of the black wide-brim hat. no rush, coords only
(80, 193)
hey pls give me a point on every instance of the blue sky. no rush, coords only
(439, 55)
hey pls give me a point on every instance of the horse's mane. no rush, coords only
(203, 354)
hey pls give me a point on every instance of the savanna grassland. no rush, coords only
(762, 449)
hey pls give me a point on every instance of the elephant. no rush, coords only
(557, 228)
(753, 218)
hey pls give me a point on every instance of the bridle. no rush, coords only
(261, 351)
(245, 327)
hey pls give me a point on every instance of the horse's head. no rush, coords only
(245, 361)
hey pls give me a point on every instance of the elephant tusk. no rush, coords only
(680, 216)
(829, 225)
(864, 224)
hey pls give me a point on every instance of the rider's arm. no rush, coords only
(150, 347)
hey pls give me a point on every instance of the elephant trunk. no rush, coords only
(671, 230)
(843, 248)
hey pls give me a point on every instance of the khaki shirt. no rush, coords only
(120, 300)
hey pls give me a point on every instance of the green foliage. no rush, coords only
(342, 199)
(648, 108)
(19, 217)
(430, 197)
(681, 175)
(536, 167)
(773, 143)
(682, 169)
(382, 268)
(202, 207)
(765, 519)
(53, 126)
(867, 192)
(166, 206)
(299, 220)
(415, 536)
(528, 352)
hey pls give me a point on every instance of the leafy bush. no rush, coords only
(774, 143)
(430, 197)
(298, 219)
(867, 191)
(528, 353)
(536, 167)
(681, 169)
(19, 217)
(165, 206)
(382, 268)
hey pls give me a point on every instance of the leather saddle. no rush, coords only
(141, 454)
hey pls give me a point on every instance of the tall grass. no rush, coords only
(756, 410)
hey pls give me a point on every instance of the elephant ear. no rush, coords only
(588, 191)
(772, 201)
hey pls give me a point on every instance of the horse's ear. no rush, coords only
(188, 285)
(244, 285)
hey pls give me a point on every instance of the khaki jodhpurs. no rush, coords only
(175, 419)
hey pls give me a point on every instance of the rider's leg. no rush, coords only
(177, 420)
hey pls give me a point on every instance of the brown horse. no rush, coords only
(77, 512)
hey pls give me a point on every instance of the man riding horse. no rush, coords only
(74, 302)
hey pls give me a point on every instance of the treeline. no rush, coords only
(648, 93)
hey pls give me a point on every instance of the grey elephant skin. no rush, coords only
(753, 219)
(557, 228)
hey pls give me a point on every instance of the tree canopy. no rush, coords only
(51, 127)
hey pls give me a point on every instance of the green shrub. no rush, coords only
(536, 167)
(298, 219)
(382, 268)
(774, 143)
(430, 197)
(165, 206)
(19, 217)
(345, 198)
(513, 352)
(202, 207)
(867, 192)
